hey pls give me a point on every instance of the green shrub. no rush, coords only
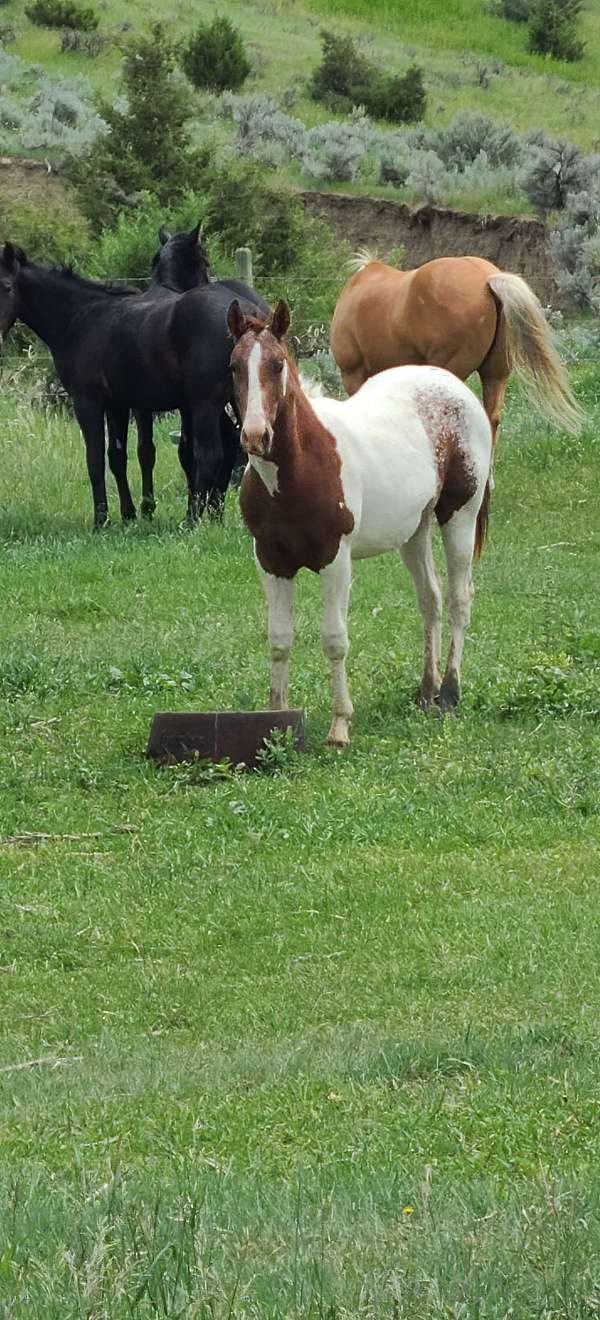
(82, 43)
(346, 78)
(62, 14)
(215, 57)
(401, 99)
(553, 29)
(516, 11)
(147, 148)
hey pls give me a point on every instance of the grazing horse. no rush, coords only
(180, 264)
(461, 313)
(330, 481)
(115, 351)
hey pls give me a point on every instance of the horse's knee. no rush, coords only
(335, 644)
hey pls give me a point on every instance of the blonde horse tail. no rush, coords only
(531, 352)
(483, 518)
(363, 257)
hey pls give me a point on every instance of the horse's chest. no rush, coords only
(294, 528)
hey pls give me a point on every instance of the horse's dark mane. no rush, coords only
(95, 286)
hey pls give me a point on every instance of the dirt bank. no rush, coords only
(513, 243)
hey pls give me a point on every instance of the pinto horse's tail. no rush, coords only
(531, 352)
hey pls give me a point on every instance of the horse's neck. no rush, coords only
(182, 283)
(298, 432)
(47, 302)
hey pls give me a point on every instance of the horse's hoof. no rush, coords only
(339, 735)
(101, 523)
(130, 516)
(147, 508)
(449, 696)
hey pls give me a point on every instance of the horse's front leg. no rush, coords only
(146, 450)
(207, 457)
(335, 591)
(118, 422)
(90, 415)
(280, 602)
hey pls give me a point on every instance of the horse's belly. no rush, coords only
(387, 496)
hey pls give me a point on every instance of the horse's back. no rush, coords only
(392, 437)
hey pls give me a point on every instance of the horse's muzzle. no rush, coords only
(256, 443)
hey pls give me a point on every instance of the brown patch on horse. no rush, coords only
(301, 526)
(444, 421)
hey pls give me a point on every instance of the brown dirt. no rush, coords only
(512, 243)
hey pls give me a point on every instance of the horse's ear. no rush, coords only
(236, 320)
(9, 256)
(280, 322)
(164, 235)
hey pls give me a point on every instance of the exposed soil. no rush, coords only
(512, 243)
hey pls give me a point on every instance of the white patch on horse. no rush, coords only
(284, 379)
(255, 419)
(267, 471)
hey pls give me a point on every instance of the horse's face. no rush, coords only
(259, 364)
(182, 260)
(9, 267)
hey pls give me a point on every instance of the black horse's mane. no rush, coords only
(95, 286)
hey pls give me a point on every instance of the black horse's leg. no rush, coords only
(208, 454)
(117, 459)
(231, 456)
(186, 458)
(90, 416)
(146, 450)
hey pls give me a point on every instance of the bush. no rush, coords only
(516, 11)
(147, 147)
(58, 118)
(215, 57)
(62, 14)
(553, 29)
(262, 130)
(401, 99)
(346, 78)
(556, 169)
(337, 152)
(468, 134)
(428, 179)
(83, 43)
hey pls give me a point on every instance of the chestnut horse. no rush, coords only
(330, 481)
(461, 313)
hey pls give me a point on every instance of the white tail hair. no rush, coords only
(531, 352)
(361, 258)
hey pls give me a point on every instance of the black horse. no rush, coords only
(115, 351)
(181, 264)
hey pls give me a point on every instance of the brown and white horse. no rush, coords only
(461, 313)
(329, 481)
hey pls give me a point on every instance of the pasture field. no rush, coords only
(316, 1043)
(454, 40)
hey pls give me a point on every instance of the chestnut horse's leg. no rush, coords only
(459, 540)
(280, 601)
(418, 557)
(117, 460)
(494, 390)
(90, 416)
(146, 451)
(335, 591)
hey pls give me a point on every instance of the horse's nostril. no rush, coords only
(265, 439)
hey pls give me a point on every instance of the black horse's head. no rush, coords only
(181, 262)
(11, 258)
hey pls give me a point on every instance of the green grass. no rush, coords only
(323, 1043)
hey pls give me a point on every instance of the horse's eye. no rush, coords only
(278, 367)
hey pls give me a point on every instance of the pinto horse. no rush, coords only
(330, 481)
(117, 351)
(461, 313)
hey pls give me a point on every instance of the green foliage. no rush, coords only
(147, 146)
(278, 754)
(214, 56)
(553, 29)
(82, 43)
(62, 14)
(346, 78)
(52, 234)
(516, 11)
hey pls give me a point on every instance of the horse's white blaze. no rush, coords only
(284, 379)
(267, 471)
(255, 421)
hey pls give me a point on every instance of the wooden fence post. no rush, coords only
(243, 264)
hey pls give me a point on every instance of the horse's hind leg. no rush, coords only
(117, 460)
(494, 389)
(335, 591)
(146, 450)
(230, 444)
(418, 557)
(459, 540)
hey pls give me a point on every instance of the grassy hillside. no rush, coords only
(323, 1044)
(452, 41)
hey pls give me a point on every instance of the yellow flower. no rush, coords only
(408, 1210)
